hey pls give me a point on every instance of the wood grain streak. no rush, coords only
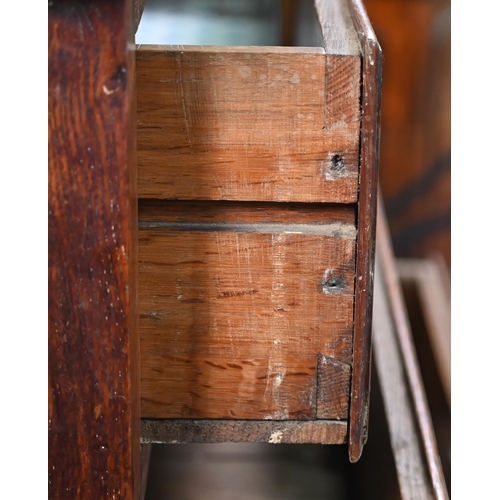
(334, 382)
(232, 322)
(247, 125)
(93, 338)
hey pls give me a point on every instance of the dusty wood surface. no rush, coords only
(337, 27)
(427, 276)
(247, 123)
(367, 210)
(412, 436)
(238, 431)
(234, 314)
(93, 337)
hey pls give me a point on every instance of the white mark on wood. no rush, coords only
(276, 437)
(109, 92)
(295, 79)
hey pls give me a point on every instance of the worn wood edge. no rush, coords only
(138, 10)
(134, 261)
(337, 28)
(158, 50)
(335, 229)
(243, 431)
(367, 217)
(397, 308)
(427, 277)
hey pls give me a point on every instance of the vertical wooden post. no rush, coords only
(367, 216)
(94, 449)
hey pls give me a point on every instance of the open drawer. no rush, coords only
(257, 174)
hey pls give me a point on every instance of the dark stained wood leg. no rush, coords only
(367, 216)
(94, 419)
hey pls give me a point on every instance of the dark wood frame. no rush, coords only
(367, 217)
(94, 411)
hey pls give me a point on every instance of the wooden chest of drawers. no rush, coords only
(257, 175)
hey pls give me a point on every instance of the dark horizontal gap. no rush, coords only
(232, 212)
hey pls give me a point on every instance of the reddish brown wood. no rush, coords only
(248, 123)
(237, 301)
(367, 210)
(416, 124)
(93, 339)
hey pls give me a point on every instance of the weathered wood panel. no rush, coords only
(234, 314)
(248, 123)
(93, 413)
(227, 431)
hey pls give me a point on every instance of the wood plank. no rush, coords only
(337, 27)
(93, 338)
(245, 123)
(413, 441)
(238, 431)
(234, 315)
(367, 211)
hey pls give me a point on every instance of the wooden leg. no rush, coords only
(93, 337)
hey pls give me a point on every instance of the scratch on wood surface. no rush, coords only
(336, 229)
(183, 100)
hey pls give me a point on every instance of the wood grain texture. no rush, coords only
(417, 459)
(234, 314)
(413, 408)
(367, 216)
(238, 431)
(246, 123)
(93, 339)
(334, 383)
